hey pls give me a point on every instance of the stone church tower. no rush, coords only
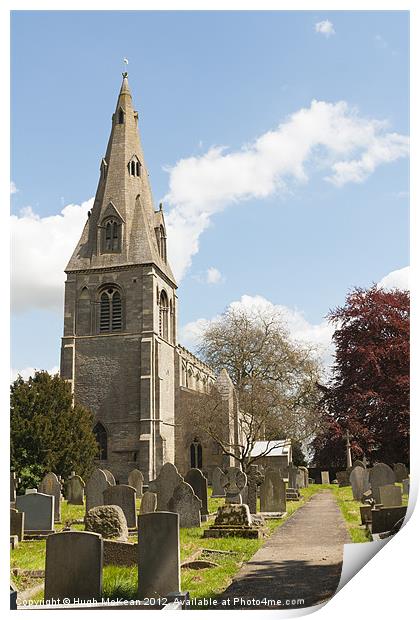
(120, 315)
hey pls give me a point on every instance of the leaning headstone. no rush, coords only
(159, 570)
(273, 492)
(390, 495)
(136, 479)
(325, 477)
(255, 479)
(109, 521)
(75, 490)
(124, 496)
(73, 566)
(233, 481)
(380, 475)
(343, 478)
(199, 484)
(50, 485)
(359, 480)
(406, 486)
(95, 487)
(39, 512)
(148, 502)
(185, 502)
(17, 521)
(400, 471)
(217, 489)
(109, 476)
(165, 484)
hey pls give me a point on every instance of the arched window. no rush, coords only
(102, 440)
(83, 313)
(163, 315)
(111, 238)
(134, 167)
(196, 454)
(162, 243)
(110, 308)
(120, 116)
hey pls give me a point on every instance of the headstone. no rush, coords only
(359, 480)
(199, 484)
(273, 492)
(365, 514)
(148, 502)
(39, 511)
(400, 471)
(217, 489)
(95, 487)
(75, 490)
(379, 476)
(384, 519)
(325, 477)
(136, 479)
(30, 491)
(50, 485)
(390, 495)
(406, 486)
(158, 554)
(17, 521)
(185, 502)
(234, 520)
(292, 474)
(343, 478)
(358, 463)
(165, 484)
(304, 476)
(234, 514)
(73, 566)
(109, 521)
(255, 479)
(233, 481)
(109, 476)
(13, 485)
(124, 496)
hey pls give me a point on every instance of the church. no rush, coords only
(120, 351)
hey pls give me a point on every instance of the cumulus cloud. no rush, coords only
(41, 248)
(213, 276)
(25, 373)
(325, 27)
(400, 278)
(13, 188)
(329, 137)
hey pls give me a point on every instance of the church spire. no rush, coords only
(123, 228)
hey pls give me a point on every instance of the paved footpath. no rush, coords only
(301, 560)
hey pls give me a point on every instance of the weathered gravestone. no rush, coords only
(400, 471)
(13, 485)
(390, 495)
(17, 521)
(124, 496)
(185, 502)
(273, 492)
(148, 502)
(109, 521)
(380, 475)
(233, 520)
(359, 480)
(384, 519)
(110, 477)
(165, 484)
(217, 489)
(343, 478)
(255, 479)
(50, 485)
(199, 484)
(233, 481)
(158, 554)
(292, 474)
(325, 477)
(75, 491)
(136, 480)
(95, 487)
(358, 463)
(73, 566)
(406, 486)
(39, 512)
(304, 477)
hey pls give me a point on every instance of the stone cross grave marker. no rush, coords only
(255, 479)
(148, 502)
(75, 490)
(233, 481)
(50, 485)
(359, 480)
(199, 484)
(39, 512)
(273, 492)
(217, 489)
(95, 487)
(136, 480)
(186, 503)
(165, 484)
(380, 475)
(124, 496)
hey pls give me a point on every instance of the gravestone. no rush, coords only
(359, 480)
(233, 481)
(109, 521)
(358, 463)
(343, 478)
(255, 479)
(30, 491)
(13, 485)
(73, 566)
(75, 491)
(50, 485)
(400, 471)
(406, 486)
(165, 484)
(199, 484)
(217, 489)
(185, 502)
(136, 479)
(159, 570)
(292, 475)
(233, 520)
(124, 496)
(95, 487)
(380, 475)
(39, 512)
(17, 523)
(109, 476)
(384, 519)
(273, 492)
(148, 502)
(304, 476)
(390, 495)
(325, 477)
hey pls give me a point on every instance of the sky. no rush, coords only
(277, 141)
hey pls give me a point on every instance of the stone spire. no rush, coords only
(123, 193)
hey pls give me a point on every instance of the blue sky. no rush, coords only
(203, 80)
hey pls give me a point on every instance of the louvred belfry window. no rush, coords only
(110, 307)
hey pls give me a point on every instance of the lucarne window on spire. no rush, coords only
(134, 167)
(111, 236)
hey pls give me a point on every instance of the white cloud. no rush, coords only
(13, 188)
(25, 373)
(325, 27)
(329, 137)
(41, 248)
(213, 276)
(400, 278)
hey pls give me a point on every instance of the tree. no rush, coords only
(368, 394)
(48, 432)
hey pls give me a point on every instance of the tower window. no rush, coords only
(196, 454)
(110, 308)
(111, 236)
(134, 167)
(163, 315)
(102, 440)
(120, 116)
